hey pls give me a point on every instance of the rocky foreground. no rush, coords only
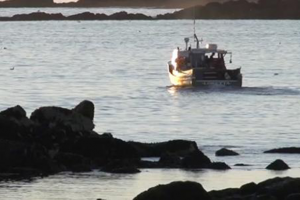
(272, 189)
(55, 139)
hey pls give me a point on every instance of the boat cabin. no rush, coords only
(201, 58)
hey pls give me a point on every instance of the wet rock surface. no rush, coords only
(196, 159)
(278, 165)
(175, 191)
(226, 152)
(174, 147)
(273, 189)
(287, 150)
(56, 139)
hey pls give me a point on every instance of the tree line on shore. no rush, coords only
(108, 3)
(239, 9)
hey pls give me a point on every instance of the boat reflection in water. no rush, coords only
(202, 67)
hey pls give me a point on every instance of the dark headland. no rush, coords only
(239, 9)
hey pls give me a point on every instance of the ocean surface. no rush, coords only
(122, 67)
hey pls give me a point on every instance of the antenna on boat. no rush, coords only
(195, 36)
(194, 25)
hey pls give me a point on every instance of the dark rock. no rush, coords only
(224, 194)
(288, 150)
(174, 147)
(14, 124)
(265, 197)
(226, 152)
(278, 165)
(104, 149)
(16, 154)
(281, 188)
(218, 166)
(241, 165)
(86, 108)
(13, 154)
(170, 160)
(271, 189)
(108, 135)
(73, 162)
(26, 172)
(81, 168)
(196, 159)
(149, 164)
(120, 167)
(175, 191)
(234, 198)
(293, 197)
(66, 119)
(16, 112)
(249, 188)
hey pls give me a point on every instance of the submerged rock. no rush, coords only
(226, 152)
(175, 191)
(290, 150)
(218, 166)
(241, 165)
(278, 165)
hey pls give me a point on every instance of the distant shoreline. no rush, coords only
(230, 10)
(88, 16)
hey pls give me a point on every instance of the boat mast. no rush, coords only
(195, 36)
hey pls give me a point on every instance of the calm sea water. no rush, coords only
(122, 67)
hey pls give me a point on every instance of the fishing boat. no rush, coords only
(202, 66)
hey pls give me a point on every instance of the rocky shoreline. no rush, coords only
(55, 139)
